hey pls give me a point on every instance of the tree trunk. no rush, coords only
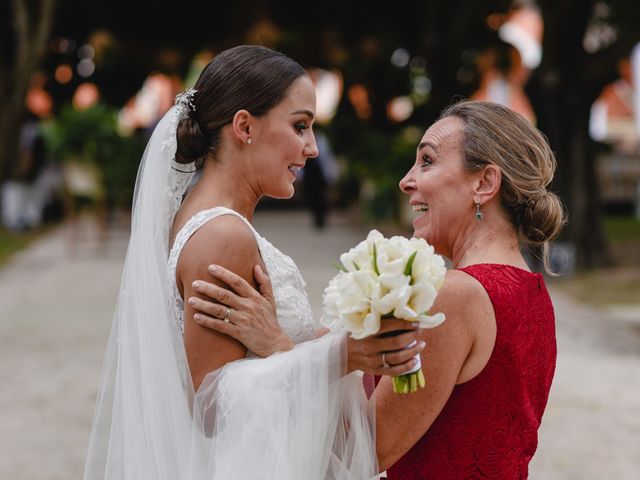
(585, 227)
(452, 27)
(32, 22)
(562, 90)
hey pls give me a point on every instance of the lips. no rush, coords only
(420, 207)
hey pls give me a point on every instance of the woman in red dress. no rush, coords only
(479, 187)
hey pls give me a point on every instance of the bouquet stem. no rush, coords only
(409, 382)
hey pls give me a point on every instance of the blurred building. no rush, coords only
(615, 123)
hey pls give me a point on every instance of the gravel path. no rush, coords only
(55, 316)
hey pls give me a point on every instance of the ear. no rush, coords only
(487, 184)
(241, 126)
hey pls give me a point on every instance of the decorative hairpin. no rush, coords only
(185, 99)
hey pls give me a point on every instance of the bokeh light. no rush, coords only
(399, 109)
(63, 73)
(85, 96)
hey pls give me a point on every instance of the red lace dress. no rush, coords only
(489, 426)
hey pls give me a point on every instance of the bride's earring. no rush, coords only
(249, 141)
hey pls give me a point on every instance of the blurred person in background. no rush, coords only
(318, 177)
(34, 191)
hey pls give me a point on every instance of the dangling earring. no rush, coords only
(478, 212)
(249, 141)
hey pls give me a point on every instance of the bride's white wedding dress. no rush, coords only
(273, 427)
(291, 416)
(292, 304)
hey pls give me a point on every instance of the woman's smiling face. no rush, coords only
(285, 140)
(439, 187)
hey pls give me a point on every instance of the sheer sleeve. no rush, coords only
(289, 416)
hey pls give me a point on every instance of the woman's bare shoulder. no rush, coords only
(225, 240)
(460, 292)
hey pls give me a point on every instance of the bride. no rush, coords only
(179, 401)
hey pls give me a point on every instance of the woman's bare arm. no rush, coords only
(227, 241)
(401, 420)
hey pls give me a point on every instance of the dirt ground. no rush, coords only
(55, 315)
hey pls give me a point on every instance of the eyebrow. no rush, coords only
(309, 113)
(427, 144)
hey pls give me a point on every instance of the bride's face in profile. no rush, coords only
(284, 140)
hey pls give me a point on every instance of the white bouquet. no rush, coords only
(383, 278)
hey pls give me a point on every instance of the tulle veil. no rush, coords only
(294, 415)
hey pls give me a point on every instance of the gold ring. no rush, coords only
(227, 316)
(384, 361)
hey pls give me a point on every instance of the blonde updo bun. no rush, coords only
(494, 134)
(542, 218)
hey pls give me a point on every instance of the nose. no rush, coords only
(408, 183)
(310, 148)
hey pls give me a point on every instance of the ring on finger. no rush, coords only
(227, 316)
(384, 361)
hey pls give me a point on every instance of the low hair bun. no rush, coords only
(542, 218)
(191, 142)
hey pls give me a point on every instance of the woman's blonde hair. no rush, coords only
(494, 134)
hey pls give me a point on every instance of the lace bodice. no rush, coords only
(292, 304)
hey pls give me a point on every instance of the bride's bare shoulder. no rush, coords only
(225, 240)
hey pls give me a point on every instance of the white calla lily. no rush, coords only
(383, 277)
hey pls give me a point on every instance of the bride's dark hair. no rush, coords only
(249, 77)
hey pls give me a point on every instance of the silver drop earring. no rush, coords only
(478, 212)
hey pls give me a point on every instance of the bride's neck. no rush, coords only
(221, 184)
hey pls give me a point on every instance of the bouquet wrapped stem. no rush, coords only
(381, 278)
(412, 380)
(408, 382)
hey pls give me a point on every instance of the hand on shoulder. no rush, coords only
(226, 241)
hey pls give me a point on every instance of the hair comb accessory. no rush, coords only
(185, 99)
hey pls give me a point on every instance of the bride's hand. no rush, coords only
(242, 312)
(367, 354)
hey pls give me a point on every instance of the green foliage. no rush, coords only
(86, 134)
(379, 160)
(92, 135)
(622, 229)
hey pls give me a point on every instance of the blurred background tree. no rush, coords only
(25, 29)
(583, 43)
(398, 67)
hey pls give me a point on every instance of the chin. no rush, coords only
(421, 233)
(284, 194)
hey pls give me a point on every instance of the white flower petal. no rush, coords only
(391, 300)
(365, 280)
(431, 321)
(374, 235)
(392, 281)
(405, 313)
(423, 296)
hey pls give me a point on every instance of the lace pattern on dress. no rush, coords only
(292, 304)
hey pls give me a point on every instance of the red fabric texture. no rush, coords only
(488, 428)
